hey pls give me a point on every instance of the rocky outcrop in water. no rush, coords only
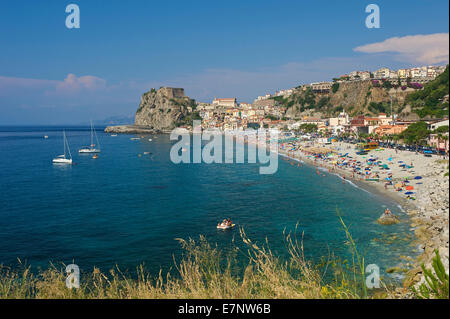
(160, 111)
(388, 219)
(163, 109)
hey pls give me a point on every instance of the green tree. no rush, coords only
(335, 87)
(416, 134)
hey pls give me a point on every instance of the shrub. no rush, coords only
(335, 87)
(437, 284)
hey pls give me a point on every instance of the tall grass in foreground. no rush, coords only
(203, 272)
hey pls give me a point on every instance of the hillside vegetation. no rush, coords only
(358, 97)
(429, 101)
(370, 97)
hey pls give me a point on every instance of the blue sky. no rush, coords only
(52, 75)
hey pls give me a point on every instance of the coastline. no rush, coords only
(428, 214)
(131, 129)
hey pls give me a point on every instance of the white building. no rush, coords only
(284, 92)
(321, 86)
(364, 75)
(342, 119)
(382, 73)
(227, 102)
(434, 126)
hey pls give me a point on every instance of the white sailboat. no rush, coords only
(63, 159)
(92, 148)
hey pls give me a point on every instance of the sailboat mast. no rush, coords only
(64, 141)
(92, 135)
(68, 148)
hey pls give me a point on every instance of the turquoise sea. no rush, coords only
(124, 209)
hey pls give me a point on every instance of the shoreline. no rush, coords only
(370, 187)
(429, 231)
(428, 219)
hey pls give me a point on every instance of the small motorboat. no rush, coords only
(221, 226)
(45, 136)
(95, 156)
(113, 135)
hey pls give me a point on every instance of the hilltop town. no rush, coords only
(384, 98)
(380, 103)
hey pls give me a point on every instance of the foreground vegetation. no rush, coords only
(204, 272)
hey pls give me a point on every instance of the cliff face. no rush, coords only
(162, 109)
(353, 97)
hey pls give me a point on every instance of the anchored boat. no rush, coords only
(63, 159)
(91, 148)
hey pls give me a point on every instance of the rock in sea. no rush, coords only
(388, 219)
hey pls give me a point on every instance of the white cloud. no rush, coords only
(425, 49)
(89, 82)
(70, 85)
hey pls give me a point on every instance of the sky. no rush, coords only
(50, 74)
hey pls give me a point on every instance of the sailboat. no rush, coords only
(91, 148)
(63, 159)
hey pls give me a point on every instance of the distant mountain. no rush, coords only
(116, 120)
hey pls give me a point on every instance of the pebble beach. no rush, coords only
(418, 183)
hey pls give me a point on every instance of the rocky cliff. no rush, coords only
(354, 97)
(163, 109)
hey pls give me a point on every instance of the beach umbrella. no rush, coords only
(409, 188)
(409, 193)
(388, 179)
(390, 159)
(418, 177)
(398, 185)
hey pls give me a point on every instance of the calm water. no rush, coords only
(127, 209)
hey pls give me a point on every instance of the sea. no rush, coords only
(130, 205)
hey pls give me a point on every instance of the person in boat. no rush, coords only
(387, 212)
(229, 222)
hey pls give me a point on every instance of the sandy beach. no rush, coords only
(416, 182)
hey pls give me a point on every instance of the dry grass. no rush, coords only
(203, 272)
